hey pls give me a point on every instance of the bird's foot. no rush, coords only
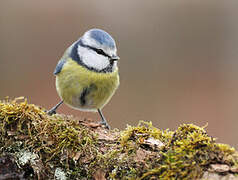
(51, 112)
(104, 123)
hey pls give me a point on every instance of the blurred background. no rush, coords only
(178, 58)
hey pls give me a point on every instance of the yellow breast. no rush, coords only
(83, 89)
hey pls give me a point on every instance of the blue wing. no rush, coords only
(62, 61)
(59, 66)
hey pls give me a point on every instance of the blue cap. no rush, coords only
(102, 37)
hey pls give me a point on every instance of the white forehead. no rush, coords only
(87, 40)
(101, 40)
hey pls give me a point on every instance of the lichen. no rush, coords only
(63, 145)
(60, 174)
(25, 156)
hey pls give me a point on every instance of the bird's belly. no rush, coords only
(86, 91)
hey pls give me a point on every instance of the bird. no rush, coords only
(87, 75)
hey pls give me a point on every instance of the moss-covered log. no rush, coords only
(34, 145)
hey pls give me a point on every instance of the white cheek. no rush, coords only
(92, 59)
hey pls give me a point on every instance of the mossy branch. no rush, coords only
(34, 145)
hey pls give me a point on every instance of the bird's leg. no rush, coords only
(103, 121)
(53, 110)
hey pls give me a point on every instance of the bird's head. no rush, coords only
(97, 50)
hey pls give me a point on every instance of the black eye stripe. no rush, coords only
(98, 51)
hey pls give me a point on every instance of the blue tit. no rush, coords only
(87, 74)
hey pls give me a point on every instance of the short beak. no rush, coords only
(115, 58)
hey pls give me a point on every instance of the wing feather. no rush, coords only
(62, 61)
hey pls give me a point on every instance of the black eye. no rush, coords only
(100, 51)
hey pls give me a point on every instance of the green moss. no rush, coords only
(141, 152)
(56, 138)
(143, 131)
(189, 154)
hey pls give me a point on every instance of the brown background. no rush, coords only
(178, 58)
